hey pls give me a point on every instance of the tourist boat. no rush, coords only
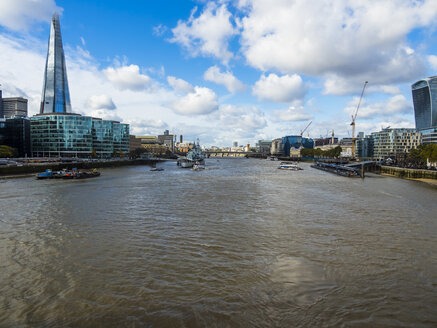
(289, 166)
(194, 156)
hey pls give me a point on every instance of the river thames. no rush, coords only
(240, 244)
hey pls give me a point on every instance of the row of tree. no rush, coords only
(316, 152)
(423, 155)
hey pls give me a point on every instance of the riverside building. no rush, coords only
(56, 131)
(13, 107)
(390, 143)
(425, 108)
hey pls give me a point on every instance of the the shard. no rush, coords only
(55, 94)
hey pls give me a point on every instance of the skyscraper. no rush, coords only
(55, 94)
(1, 104)
(425, 108)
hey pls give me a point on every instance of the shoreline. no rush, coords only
(9, 172)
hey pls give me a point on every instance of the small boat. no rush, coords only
(48, 174)
(85, 175)
(155, 169)
(198, 167)
(289, 166)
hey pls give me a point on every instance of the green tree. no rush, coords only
(93, 154)
(8, 152)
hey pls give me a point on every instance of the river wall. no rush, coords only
(40, 167)
(408, 173)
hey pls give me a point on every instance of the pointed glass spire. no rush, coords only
(55, 94)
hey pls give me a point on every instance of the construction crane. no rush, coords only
(353, 120)
(302, 131)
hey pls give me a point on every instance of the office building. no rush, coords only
(425, 108)
(263, 146)
(296, 142)
(364, 146)
(134, 143)
(277, 147)
(55, 95)
(389, 143)
(1, 104)
(15, 133)
(167, 139)
(74, 135)
(16, 106)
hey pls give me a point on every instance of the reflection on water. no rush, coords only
(239, 244)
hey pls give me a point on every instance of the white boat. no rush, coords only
(289, 166)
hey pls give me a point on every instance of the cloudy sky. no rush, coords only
(227, 70)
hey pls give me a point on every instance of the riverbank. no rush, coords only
(26, 169)
(426, 176)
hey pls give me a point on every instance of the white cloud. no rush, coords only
(353, 40)
(127, 78)
(395, 105)
(227, 79)
(292, 114)
(200, 101)
(390, 89)
(21, 14)
(100, 102)
(432, 59)
(208, 34)
(179, 84)
(286, 88)
(147, 127)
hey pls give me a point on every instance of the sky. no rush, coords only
(227, 70)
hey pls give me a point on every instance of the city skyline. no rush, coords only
(216, 71)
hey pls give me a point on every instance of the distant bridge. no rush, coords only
(234, 154)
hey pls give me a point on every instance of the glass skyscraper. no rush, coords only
(425, 108)
(55, 94)
(56, 131)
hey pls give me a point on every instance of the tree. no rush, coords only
(93, 154)
(8, 152)
(415, 156)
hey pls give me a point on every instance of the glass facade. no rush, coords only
(61, 135)
(55, 95)
(425, 103)
(296, 142)
(121, 138)
(103, 138)
(73, 135)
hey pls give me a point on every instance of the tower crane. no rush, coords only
(302, 131)
(353, 120)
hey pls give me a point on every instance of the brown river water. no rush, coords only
(240, 244)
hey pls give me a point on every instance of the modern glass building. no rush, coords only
(120, 138)
(56, 132)
(296, 142)
(364, 147)
(425, 108)
(15, 133)
(55, 94)
(73, 135)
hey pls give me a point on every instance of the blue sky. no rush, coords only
(227, 70)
